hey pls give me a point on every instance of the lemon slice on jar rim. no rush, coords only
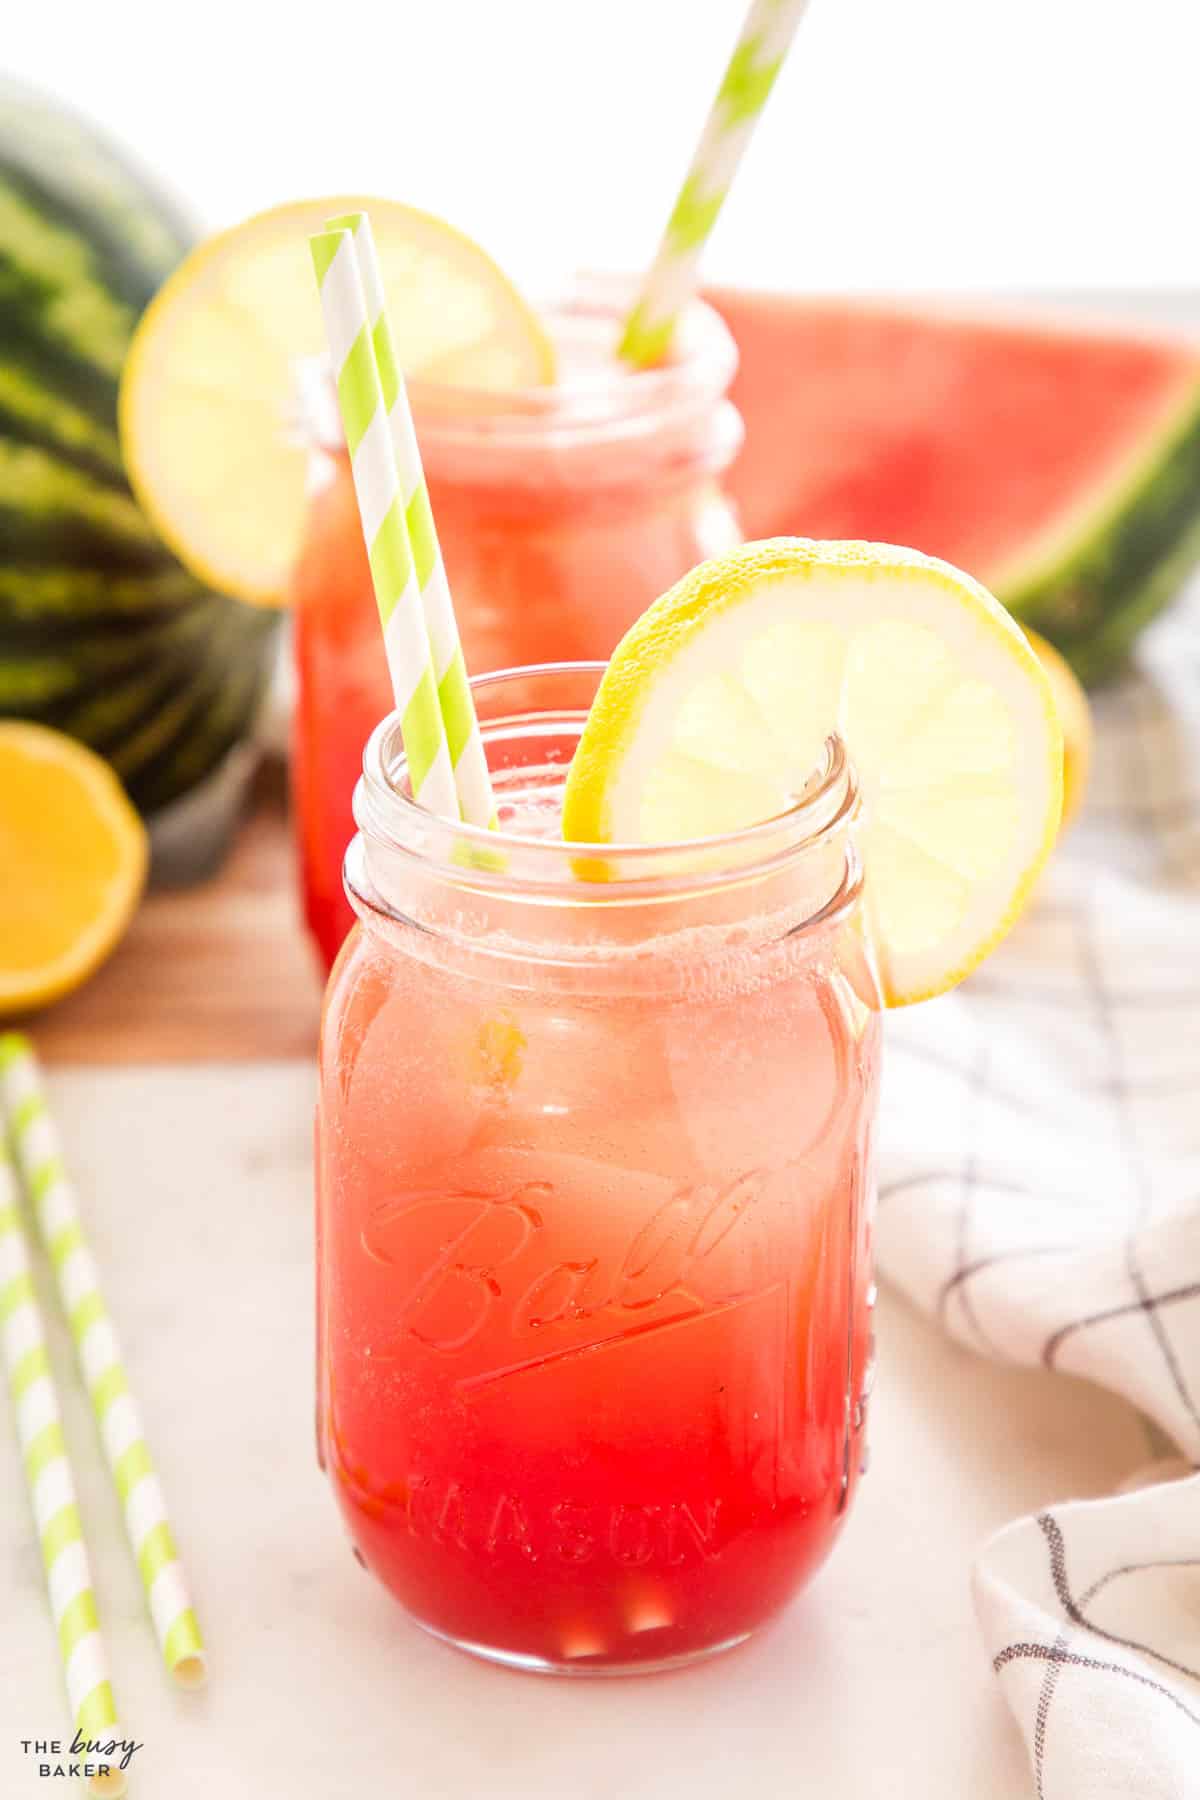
(209, 378)
(713, 711)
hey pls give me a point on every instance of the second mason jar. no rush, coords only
(562, 512)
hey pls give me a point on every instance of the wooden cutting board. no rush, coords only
(220, 972)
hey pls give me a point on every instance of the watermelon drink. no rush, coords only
(562, 511)
(595, 1187)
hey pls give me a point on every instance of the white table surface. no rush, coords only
(873, 1685)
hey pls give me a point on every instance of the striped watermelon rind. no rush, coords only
(102, 632)
(1126, 561)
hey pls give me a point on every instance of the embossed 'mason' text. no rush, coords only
(506, 1525)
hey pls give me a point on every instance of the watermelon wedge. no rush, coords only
(1059, 464)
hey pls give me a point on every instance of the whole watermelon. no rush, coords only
(102, 632)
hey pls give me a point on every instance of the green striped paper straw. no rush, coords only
(471, 779)
(60, 1228)
(52, 1487)
(766, 37)
(385, 527)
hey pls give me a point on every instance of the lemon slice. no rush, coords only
(1075, 717)
(74, 855)
(715, 708)
(209, 383)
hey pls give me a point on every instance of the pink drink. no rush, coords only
(594, 1211)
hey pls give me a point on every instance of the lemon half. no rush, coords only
(1075, 717)
(74, 854)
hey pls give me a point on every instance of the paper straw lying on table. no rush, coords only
(757, 59)
(465, 745)
(60, 1228)
(385, 527)
(52, 1488)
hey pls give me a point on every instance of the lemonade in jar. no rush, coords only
(595, 1177)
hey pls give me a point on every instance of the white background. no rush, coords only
(909, 143)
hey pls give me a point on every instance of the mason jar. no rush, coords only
(595, 1189)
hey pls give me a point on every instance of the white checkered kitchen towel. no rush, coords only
(1040, 1196)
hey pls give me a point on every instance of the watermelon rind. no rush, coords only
(1119, 563)
(46, 601)
(113, 201)
(102, 632)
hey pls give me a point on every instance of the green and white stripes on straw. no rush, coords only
(747, 82)
(51, 1486)
(385, 527)
(465, 745)
(60, 1228)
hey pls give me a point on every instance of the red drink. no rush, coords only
(595, 1188)
(562, 513)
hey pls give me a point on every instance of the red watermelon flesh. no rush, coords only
(992, 441)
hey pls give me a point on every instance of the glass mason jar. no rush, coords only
(595, 1190)
(562, 512)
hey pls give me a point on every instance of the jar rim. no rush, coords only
(581, 409)
(523, 866)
